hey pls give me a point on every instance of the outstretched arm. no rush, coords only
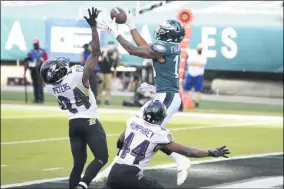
(193, 152)
(139, 40)
(141, 51)
(95, 44)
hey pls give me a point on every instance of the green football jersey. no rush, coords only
(166, 74)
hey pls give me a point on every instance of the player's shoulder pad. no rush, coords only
(131, 120)
(77, 68)
(159, 48)
(163, 136)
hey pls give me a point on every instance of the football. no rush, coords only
(119, 14)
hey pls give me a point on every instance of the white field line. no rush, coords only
(132, 112)
(33, 116)
(53, 169)
(262, 182)
(3, 165)
(154, 167)
(173, 130)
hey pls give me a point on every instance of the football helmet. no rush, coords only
(155, 112)
(170, 31)
(54, 70)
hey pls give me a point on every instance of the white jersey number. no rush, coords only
(139, 151)
(176, 67)
(80, 99)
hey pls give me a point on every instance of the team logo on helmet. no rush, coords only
(167, 26)
(49, 75)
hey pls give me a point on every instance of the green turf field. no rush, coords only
(206, 106)
(34, 143)
(25, 152)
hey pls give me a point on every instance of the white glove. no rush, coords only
(129, 22)
(145, 87)
(110, 28)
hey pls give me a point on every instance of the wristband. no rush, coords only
(115, 33)
(131, 26)
(210, 153)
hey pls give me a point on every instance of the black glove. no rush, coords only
(219, 152)
(92, 20)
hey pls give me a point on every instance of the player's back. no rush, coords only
(73, 96)
(141, 138)
(166, 75)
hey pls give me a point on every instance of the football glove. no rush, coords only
(92, 17)
(110, 28)
(219, 152)
(145, 87)
(129, 22)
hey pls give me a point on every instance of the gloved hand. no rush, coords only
(219, 152)
(145, 87)
(110, 28)
(129, 22)
(92, 17)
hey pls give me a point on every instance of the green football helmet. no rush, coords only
(170, 31)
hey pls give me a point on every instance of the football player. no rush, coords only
(142, 138)
(165, 54)
(71, 87)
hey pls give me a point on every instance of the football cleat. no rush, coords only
(183, 165)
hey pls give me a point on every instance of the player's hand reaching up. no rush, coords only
(92, 17)
(129, 22)
(110, 28)
(219, 152)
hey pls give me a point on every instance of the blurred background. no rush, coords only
(243, 41)
(242, 57)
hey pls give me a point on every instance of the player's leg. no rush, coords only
(149, 182)
(198, 86)
(79, 152)
(172, 102)
(96, 140)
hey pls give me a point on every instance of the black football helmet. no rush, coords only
(54, 70)
(170, 31)
(155, 112)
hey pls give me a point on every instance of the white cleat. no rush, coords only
(182, 170)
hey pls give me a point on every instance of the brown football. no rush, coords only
(119, 14)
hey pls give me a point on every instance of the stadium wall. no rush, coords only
(230, 48)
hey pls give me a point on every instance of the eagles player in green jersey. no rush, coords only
(165, 54)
